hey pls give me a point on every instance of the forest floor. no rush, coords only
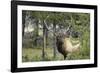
(35, 55)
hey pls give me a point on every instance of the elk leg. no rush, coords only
(64, 57)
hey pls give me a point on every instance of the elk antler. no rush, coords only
(47, 25)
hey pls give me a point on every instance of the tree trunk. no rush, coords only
(37, 32)
(23, 27)
(44, 41)
(46, 38)
(54, 30)
(23, 22)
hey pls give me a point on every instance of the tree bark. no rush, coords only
(54, 30)
(37, 32)
(23, 22)
(46, 38)
(44, 41)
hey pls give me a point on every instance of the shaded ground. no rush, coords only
(30, 55)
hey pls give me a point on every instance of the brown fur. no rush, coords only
(64, 45)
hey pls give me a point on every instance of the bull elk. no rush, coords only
(64, 45)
